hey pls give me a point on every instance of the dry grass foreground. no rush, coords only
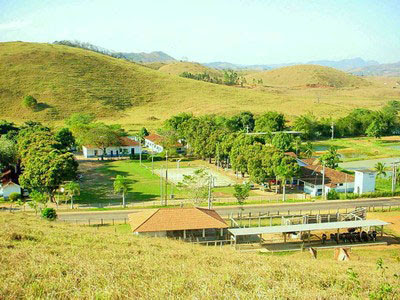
(66, 80)
(42, 260)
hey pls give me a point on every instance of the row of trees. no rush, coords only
(359, 122)
(229, 77)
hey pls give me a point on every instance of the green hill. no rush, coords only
(177, 68)
(66, 80)
(308, 76)
(44, 260)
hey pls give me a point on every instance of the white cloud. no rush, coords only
(13, 25)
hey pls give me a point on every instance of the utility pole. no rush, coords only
(166, 177)
(161, 189)
(333, 130)
(345, 186)
(209, 192)
(247, 128)
(394, 179)
(140, 152)
(323, 181)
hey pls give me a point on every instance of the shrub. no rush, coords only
(49, 214)
(14, 197)
(30, 102)
(332, 195)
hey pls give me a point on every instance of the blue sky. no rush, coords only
(247, 32)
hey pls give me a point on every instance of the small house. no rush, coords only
(156, 142)
(125, 146)
(364, 181)
(9, 184)
(191, 224)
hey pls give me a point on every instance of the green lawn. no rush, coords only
(361, 148)
(97, 185)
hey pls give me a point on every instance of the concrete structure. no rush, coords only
(192, 224)
(364, 181)
(155, 142)
(125, 146)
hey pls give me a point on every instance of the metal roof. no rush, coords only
(305, 227)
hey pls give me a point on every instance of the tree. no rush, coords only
(101, 136)
(230, 77)
(79, 119)
(14, 197)
(38, 199)
(72, 189)
(66, 139)
(297, 145)
(283, 141)
(196, 185)
(243, 121)
(375, 129)
(270, 122)
(121, 185)
(30, 102)
(8, 153)
(380, 169)
(331, 158)
(308, 150)
(308, 125)
(287, 169)
(142, 133)
(241, 192)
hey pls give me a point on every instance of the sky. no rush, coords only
(242, 32)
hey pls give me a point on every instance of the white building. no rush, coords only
(7, 188)
(125, 147)
(364, 181)
(155, 143)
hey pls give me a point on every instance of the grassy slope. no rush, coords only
(71, 80)
(61, 261)
(308, 75)
(177, 68)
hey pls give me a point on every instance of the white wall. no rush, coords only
(90, 152)
(153, 146)
(9, 189)
(364, 182)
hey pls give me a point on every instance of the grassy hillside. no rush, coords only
(177, 68)
(42, 260)
(308, 76)
(67, 80)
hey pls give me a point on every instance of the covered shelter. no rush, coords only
(192, 224)
(297, 231)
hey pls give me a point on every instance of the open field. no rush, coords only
(361, 148)
(97, 184)
(53, 260)
(67, 80)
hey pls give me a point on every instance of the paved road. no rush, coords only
(226, 211)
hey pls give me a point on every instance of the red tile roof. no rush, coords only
(313, 174)
(158, 139)
(168, 219)
(123, 142)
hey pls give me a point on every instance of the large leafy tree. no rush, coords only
(287, 169)
(196, 185)
(308, 125)
(270, 122)
(66, 139)
(241, 192)
(101, 136)
(283, 141)
(45, 166)
(240, 153)
(8, 153)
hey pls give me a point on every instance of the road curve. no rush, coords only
(254, 209)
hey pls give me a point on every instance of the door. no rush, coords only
(112, 153)
(132, 151)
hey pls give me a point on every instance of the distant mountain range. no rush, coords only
(378, 70)
(156, 56)
(344, 64)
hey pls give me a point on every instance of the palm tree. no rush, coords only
(308, 149)
(72, 189)
(380, 169)
(297, 145)
(283, 173)
(121, 185)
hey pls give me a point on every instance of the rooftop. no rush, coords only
(168, 219)
(313, 174)
(305, 227)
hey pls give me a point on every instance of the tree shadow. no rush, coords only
(42, 106)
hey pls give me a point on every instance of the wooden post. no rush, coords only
(184, 234)
(382, 231)
(284, 237)
(204, 233)
(309, 236)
